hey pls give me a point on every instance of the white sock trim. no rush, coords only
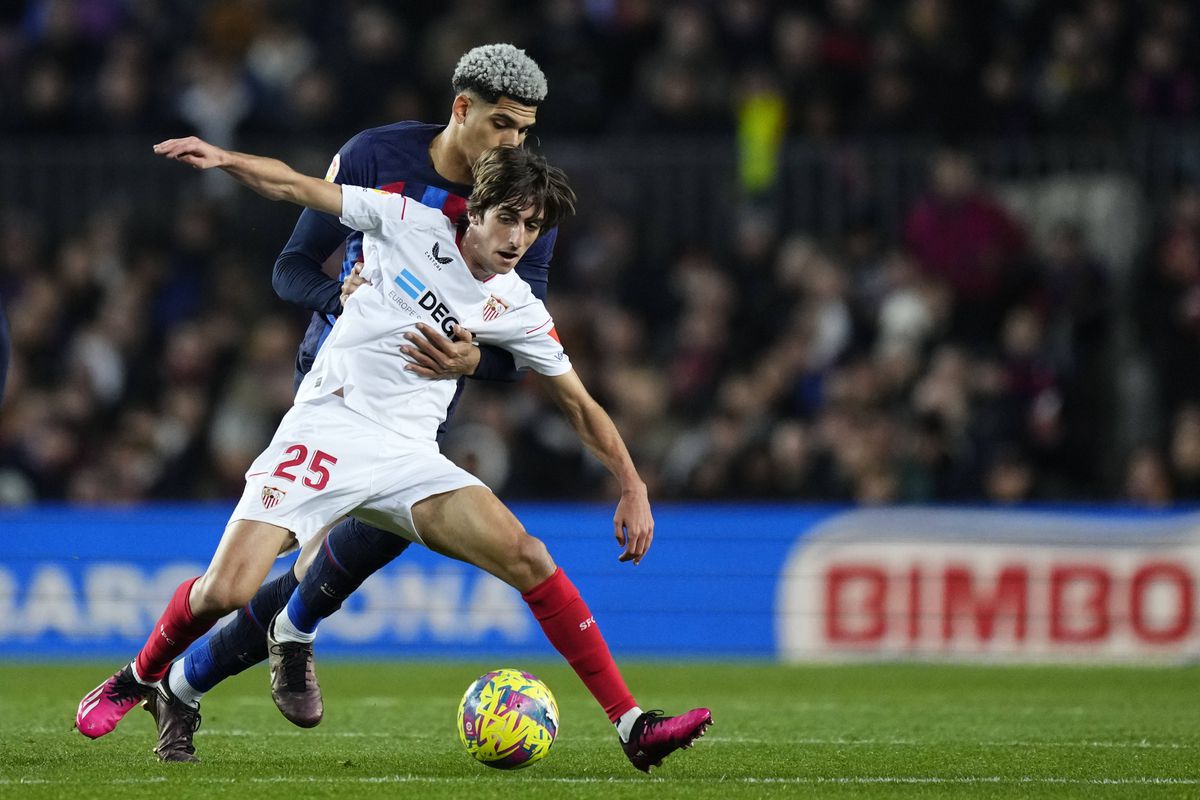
(286, 630)
(625, 723)
(178, 683)
(139, 678)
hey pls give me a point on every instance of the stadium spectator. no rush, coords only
(958, 233)
(1147, 479)
(1185, 452)
(1169, 302)
(683, 86)
(1161, 87)
(1010, 478)
(1075, 84)
(5, 348)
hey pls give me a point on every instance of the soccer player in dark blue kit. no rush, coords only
(497, 90)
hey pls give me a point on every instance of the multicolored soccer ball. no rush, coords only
(507, 719)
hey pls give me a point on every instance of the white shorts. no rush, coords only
(326, 461)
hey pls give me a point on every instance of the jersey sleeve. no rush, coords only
(370, 209)
(298, 276)
(532, 340)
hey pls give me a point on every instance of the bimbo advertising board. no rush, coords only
(985, 585)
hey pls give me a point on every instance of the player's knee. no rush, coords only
(530, 562)
(214, 596)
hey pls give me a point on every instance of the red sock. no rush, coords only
(573, 631)
(174, 632)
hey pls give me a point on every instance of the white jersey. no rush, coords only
(417, 274)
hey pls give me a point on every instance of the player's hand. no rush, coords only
(352, 282)
(435, 356)
(633, 525)
(191, 150)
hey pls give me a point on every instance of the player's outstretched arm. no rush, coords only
(633, 525)
(269, 177)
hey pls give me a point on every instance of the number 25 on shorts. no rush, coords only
(318, 472)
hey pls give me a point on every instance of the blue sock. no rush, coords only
(243, 642)
(300, 615)
(353, 552)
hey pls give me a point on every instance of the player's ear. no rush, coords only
(458, 110)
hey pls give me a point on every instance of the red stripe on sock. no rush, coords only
(573, 631)
(174, 632)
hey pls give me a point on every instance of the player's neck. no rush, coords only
(448, 160)
(470, 253)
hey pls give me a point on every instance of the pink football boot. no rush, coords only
(654, 737)
(103, 707)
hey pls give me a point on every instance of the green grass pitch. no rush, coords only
(814, 731)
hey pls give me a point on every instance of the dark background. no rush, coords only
(876, 252)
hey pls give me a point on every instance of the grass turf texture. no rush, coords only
(822, 731)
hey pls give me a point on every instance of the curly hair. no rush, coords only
(500, 70)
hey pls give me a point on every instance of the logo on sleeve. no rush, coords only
(493, 308)
(271, 496)
(334, 166)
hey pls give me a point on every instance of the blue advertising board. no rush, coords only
(91, 582)
(721, 581)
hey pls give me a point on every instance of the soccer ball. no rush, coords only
(507, 719)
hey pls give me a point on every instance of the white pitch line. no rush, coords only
(1140, 745)
(1149, 780)
(720, 739)
(712, 738)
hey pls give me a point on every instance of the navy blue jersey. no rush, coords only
(393, 158)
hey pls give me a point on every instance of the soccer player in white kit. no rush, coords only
(360, 438)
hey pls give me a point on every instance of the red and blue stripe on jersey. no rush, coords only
(452, 205)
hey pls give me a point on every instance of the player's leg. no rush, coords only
(352, 553)
(238, 567)
(472, 524)
(237, 646)
(294, 686)
(317, 467)
(340, 562)
(242, 642)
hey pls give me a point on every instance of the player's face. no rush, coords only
(503, 235)
(504, 123)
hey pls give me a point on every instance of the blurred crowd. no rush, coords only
(815, 68)
(953, 357)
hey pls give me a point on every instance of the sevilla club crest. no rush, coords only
(493, 308)
(271, 496)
